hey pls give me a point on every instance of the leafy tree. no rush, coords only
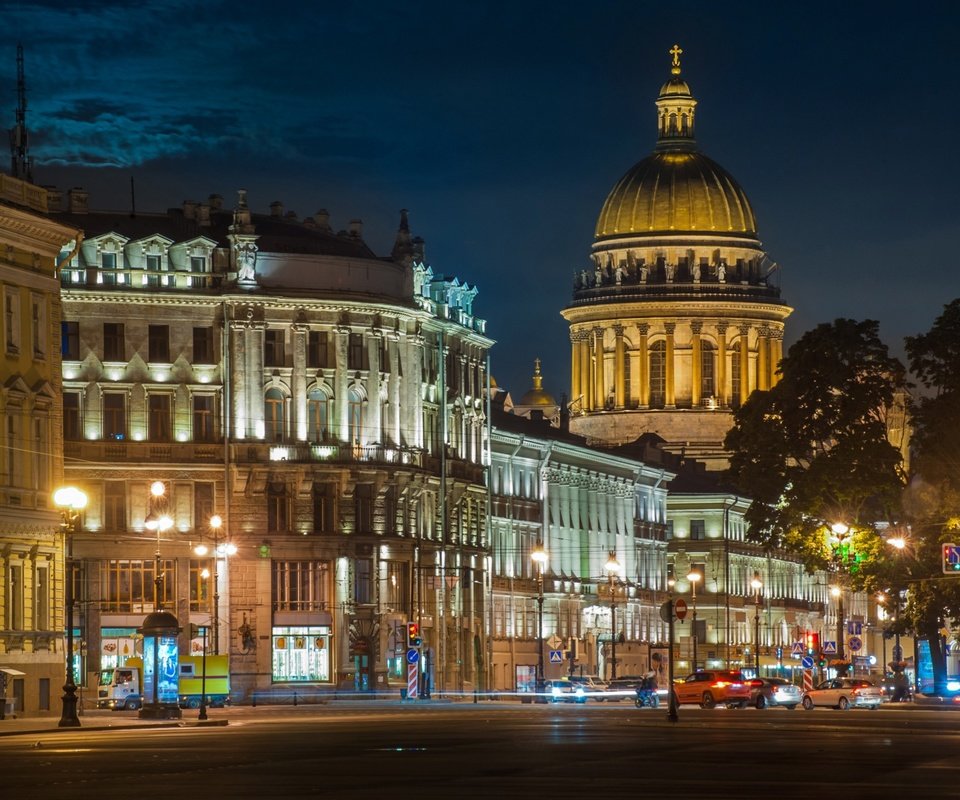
(933, 498)
(814, 449)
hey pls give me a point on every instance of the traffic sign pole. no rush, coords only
(672, 715)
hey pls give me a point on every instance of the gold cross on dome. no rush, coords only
(676, 52)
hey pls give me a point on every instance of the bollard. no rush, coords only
(294, 698)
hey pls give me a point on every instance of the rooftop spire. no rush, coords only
(675, 109)
(21, 164)
(676, 52)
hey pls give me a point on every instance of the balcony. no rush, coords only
(134, 452)
(302, 453)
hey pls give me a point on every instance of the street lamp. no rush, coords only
(158, 520)
(757, 585)
(71, 502)
(223, 549)
(613, 569)
(539, 557)
(837, 593)
(900, 544)
(205, 574)
(840, 531)
(693, 577)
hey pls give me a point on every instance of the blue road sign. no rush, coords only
(855, 643)
(413, 655)
(807, 662)
(855, 628)
(829, 648)
(797, 649)
(556, 656)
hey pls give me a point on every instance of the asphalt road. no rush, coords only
(496, 750)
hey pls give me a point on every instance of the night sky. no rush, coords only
(502, 126)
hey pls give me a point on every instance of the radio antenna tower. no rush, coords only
(21, 164)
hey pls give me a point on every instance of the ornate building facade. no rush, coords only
(679, 317)
(324, 402)
(32, 658)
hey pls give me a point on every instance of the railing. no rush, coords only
(261, 452)
(129, 451)
(127, 279)
(23, 193)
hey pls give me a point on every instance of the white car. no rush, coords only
(593, 687)
(844, 693)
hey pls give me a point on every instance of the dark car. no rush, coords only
(766, 692)
(623, 688)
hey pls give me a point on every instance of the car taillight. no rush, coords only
(755, 684)
(720, 684)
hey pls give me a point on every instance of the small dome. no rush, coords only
(537, 396)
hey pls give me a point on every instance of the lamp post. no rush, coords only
(693, 577)
(71, 502)
(158, 520)
(613, 571)
(900, 544)
(757, 585)
(837, 593)
(224, 549)
(539, 557)
(840, 531)
(203, 664)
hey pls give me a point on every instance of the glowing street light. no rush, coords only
(694, 577)
(539, 557)
(71, 502)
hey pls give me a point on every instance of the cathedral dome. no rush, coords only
(677, 189)
(674, 192)
(537, 396)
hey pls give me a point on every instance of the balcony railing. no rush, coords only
(302, 453)
(129, 451)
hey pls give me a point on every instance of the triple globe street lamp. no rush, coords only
(71, 502)
(539, 557)
(757, 586)
(613, 569)
(693, 576)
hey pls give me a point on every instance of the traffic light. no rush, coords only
(951, 558)
(413, 635)
(812, 643)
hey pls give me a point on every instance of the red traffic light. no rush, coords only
(413, 635)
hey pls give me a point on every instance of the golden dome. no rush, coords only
(676, 192)
(676, 189)
(537, 396)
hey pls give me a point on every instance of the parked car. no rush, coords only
(843, 693)
(564, 691)
(766, 692)
(711, 687)
(594, 687)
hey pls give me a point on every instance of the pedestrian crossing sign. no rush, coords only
(829, 648)
(797, 648)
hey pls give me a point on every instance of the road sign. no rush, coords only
(855, 628)
(951, 558)
(556, 656)
(554, 642)
(829, 648)
(807, 662)
(413, 655)
(807, 680)
(797, 649)
(680, 608)
(665, 611)
(413, 681)
(855, 643)
(897, 653)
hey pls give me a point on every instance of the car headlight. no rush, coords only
(555, 691)
(953, 686)
(579, 692)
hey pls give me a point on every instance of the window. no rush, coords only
(113, 342)
(355, 416)
(277, 507)
(627, 400)
(38, 326)
(708, 361)
(698, 529)
(41, 598)
(202, 505)
(394, 589)
(273, 355)
(40, 453)
(735, 378)
(198, 264)
(108, 260)
(71, 416)
(301, 585)
(159, 344)
(12, 450)
(363, 580)
(200, 589)
(114, 416)
(130, 586)
(363, 507)
(160, 420)
(318, 415)
(153, 263)
(356, 354)
(318, 349)
(15, 597)
(203, 418)
(301, 653)
(203, 346)
(274, 426)
(324, 507)
(658, 374)
(70, 341)
(11, 321)
(115, 505)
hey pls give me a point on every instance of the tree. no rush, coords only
(933, 498)
(814, 449)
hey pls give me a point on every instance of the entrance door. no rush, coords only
(361, 666)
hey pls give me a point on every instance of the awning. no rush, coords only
(13, 672)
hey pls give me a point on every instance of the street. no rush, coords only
(494, 750)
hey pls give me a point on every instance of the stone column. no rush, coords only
(723, 396)
(670, 398)
(643, 357)
(298, 381)
(618, 368)
(696, 364)
(598, 398)
(763, 358)
(575, 390)
(586, 359)
(412, 413)
(255, 420)
(238, 379)
(776, 354)
(373, 427)
(744, 363)
(393, 389)
(340, 381)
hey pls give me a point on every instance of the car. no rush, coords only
(623, 688)
(766, 692)
(594, 688)
(711, 687)
(844, 693)
(564, 691)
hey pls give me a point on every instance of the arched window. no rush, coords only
(273, 416)
(708, 370)
(318, 415)
(658, 374)
(355, 416)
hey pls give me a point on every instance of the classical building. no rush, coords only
(32, 658)
(584, 509)
(324, 402)
(679, 316)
